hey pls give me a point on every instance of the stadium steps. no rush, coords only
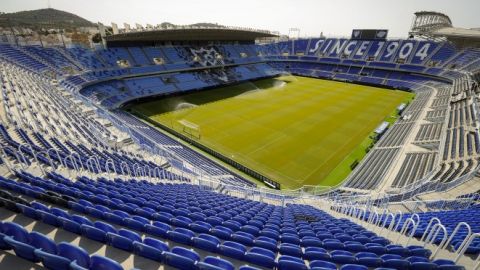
(400, 239)
(131, 57)
(465, 188)
(398, 207)
(430, 145)
(365, 55)
(380, 54)
(100, 58)
(3, 115)
(146, 56)
(434, 52)
(448, 61)
(34, 56)
(386, 78)
(412, 55)
(70, 58)
(5, 171)
(16, 136)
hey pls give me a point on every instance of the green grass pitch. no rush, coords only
(295, 130)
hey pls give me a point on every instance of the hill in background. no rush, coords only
(50, 18)
(43, 18)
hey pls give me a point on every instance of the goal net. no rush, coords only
(189, 129)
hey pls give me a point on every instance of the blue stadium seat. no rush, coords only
(248, 267)
(414, 259)
(181, 221)
(290, 238)
(200, 227)
(22, 249)
(333, 245)
(181, 235)
(151, 248)
(124, 239)
(40, 206)
(114, 218)
(342, 257)
(260, 256)
(266, 242)
(232, 249)
(82, 220)
(206, 242)
(319, 264)
(290, 249)
(104, 263)
(158, 228)
(27, 211)
(309, 241)
(74, 253)
(137, 223)
(69, 225)
(52, 261)
(243, 238)
(94, 233)
(400, 264)
(379, 250)
(286, 262)
(14, 230)
(181, 258)
(48, 218)
(214, 263)
(423, 266)
(316, 253)
(441, 262)
(419, 251)
(399, 250)
(107, 228)
(368, 259)
(42, 242)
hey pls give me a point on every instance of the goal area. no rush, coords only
(189, 129)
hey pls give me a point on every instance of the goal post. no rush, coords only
(190, 129)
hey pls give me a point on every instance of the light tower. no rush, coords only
(294, 30)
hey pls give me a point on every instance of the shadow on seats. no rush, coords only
(10, 261)
(43, 228)
(5, 214)
(64, 236)
(116, 254)
(90, 246)
(146, 264)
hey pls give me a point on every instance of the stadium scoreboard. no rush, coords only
(374, 34)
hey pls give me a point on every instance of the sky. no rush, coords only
(312, 17)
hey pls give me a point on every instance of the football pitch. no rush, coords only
(295, 130)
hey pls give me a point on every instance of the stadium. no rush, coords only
(214, 147)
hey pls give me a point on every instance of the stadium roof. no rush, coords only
(437, 25)
(456, 32)
(432, 13)
(191, 34)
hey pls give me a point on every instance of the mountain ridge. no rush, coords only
(43, 18)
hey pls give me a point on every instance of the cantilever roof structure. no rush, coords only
(190, 34)
(437, 25)
(457, 32)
